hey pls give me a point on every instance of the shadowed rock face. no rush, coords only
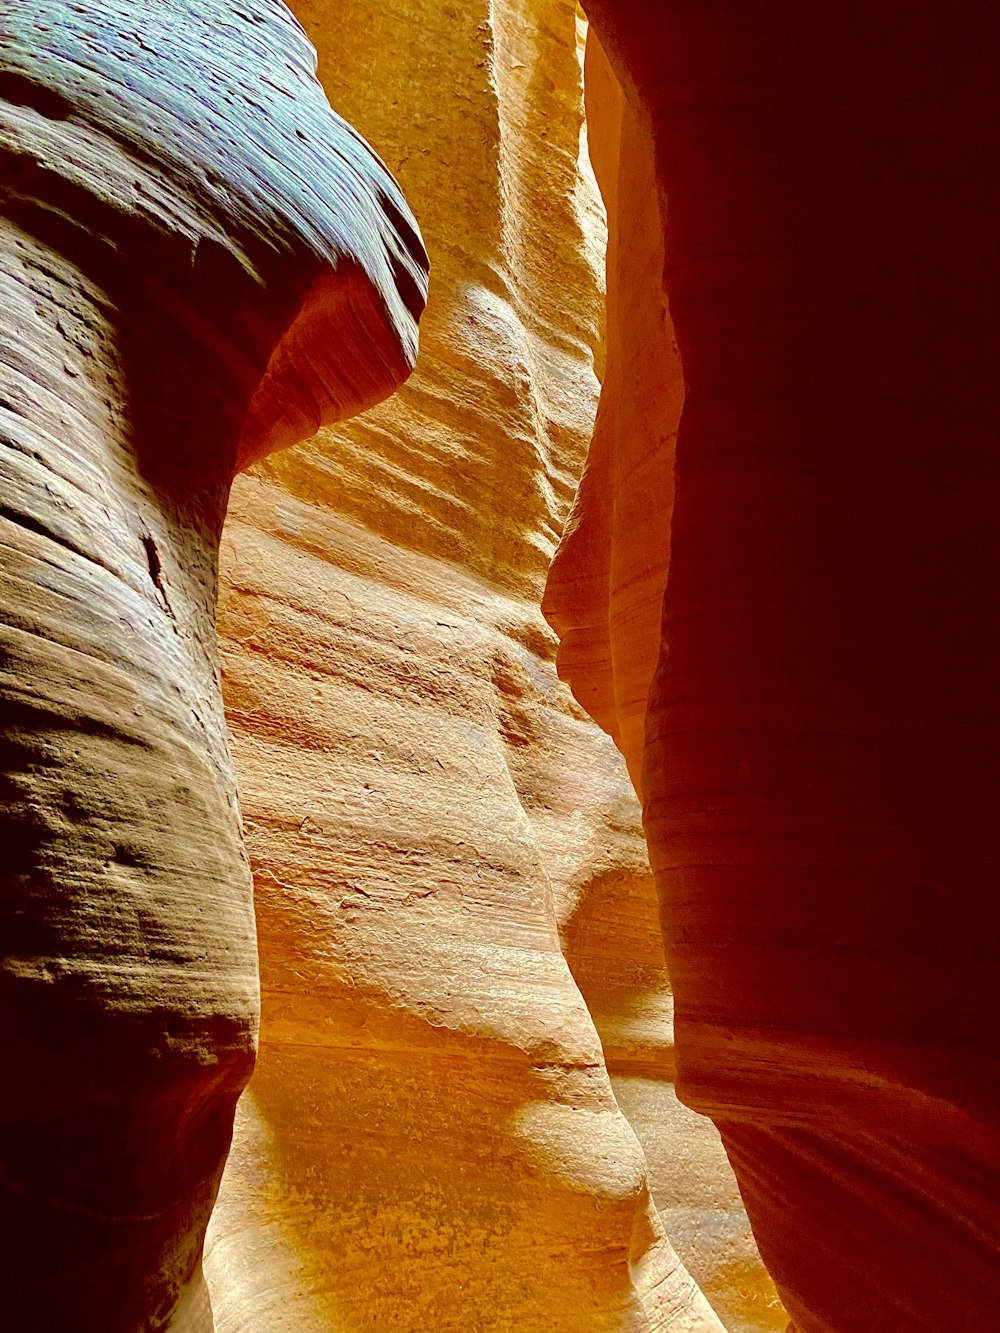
(817, 723)
(199, 262)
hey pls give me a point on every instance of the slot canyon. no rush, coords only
(499, 667)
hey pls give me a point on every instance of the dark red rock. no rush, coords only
(819, 758)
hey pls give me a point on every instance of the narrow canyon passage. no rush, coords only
(594, 721)
(430, 1138)
(817, 745)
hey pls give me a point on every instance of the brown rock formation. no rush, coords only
(817, 754)
(430, 1141)
(198, 260)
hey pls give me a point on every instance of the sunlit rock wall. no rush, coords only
(166, 280)
(430, 1141)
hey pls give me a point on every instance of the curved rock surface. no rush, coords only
(816, 748)
(430, 1140)
(198, 261)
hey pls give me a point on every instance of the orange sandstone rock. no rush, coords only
(430, 1141)
(604, 595)
(191, 242)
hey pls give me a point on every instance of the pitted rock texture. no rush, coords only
(188, 235)
(430, 1140)
(816, 750)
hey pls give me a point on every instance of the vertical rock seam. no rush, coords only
(200, 262)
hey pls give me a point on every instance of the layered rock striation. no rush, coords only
(199, 262)
(815, 746)
(431, 1140)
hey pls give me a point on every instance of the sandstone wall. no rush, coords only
(604, 597)
(165, 277)
(430, 1140)
(817, 755)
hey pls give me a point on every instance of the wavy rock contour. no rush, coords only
(431, 1140)
(813, 721)
(200, 263)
